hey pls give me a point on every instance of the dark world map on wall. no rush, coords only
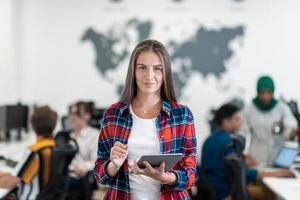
(205, 52)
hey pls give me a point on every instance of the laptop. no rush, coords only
(284, 159)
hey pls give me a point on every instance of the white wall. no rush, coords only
(53, 67)
(7, 71)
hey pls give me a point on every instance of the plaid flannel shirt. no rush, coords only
(176, 133)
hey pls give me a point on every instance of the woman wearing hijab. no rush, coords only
(267, 123)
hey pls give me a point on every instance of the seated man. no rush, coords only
(213, 168)
(86, 136)
(34, 169)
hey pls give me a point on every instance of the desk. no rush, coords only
(4, 192)
(12, 171)
(286, 188)
(15, 151)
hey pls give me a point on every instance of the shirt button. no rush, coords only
(162, 136)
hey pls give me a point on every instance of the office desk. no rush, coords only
(15, 151)
(3, 192)
(286, 188)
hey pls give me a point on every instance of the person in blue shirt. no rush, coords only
(213, 168)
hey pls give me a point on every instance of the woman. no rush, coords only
(267, 123)
(147, 120)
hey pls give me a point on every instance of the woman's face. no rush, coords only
(149, 73)
(78, 119)
(265, 96)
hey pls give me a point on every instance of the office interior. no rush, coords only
(57, 53)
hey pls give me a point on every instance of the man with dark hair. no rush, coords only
(213, 168)
(33, 171)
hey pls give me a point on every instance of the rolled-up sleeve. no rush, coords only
(102, 160)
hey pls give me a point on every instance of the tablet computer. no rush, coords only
(155, 160)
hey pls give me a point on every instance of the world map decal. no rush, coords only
(205, 51)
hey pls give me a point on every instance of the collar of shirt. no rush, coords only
(166, 107)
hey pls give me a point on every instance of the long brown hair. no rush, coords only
(130, 89)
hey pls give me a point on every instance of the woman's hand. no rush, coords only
(157, 173)
(118, 155)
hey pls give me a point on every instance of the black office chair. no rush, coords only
(88, 182)
(235, 160)
(63, 138)
(62, 156)
(204, 190)
(295, 110)
(239, 143)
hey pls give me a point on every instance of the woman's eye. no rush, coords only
(157, 68)
(141, 67)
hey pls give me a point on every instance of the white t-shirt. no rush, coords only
(143, 140)
(87, 142)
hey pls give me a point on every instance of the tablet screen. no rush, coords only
(155, 160)
(285, 157)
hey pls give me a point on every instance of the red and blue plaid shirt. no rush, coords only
(175, 125)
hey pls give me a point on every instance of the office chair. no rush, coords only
(88, 182)
(239, 143)
(235, 160)
(204, 189)
(62, 138)
(97, 117)
(293, 105)
(62, 155)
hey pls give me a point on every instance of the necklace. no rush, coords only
(150, 110)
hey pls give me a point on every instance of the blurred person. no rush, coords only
(35, 165)
(213, 167)
(267, 123)
(82, 165)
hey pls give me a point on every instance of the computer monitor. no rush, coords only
(286, 157)
(13, 117)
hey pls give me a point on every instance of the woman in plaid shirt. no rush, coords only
(147, 120)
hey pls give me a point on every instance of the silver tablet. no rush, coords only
(155, 160)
